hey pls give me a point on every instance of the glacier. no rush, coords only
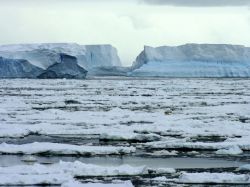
(66, 68)
(193, 60)
(44, 55)
(18, 68)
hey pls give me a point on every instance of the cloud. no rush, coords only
(199, 3)
(138, 22)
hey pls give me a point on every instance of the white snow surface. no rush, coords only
(199, 52)
(158, 113)
(219, 178)
(46, 54)
(74, 169)
(194, 60)
(63, 173)
(130, 110)
(63, 149)
(78, 184)
(22, 180)
(234, 150)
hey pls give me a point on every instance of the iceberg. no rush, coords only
(193, 60)
(44, 55)
(67, 68)
(18, 68)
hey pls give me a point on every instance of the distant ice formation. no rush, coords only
(193, 60)
(45, 55)
(66, 68)
(18, 68)
(190, 60)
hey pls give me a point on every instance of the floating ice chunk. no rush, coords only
(234, 150)
(72, 169)
(20, 179)
(29, 158)
(165, 170)
(63, 173)
(130, 136)
(245, 167)
(225, 178)
(164, 153)
(78, 184)
(230, 144)
(63, 149)
(163, 178)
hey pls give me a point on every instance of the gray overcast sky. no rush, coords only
(199, 3)
(126, 24)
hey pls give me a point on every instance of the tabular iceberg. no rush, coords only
(44, 55)
(193, 60)
(18, 68)
(67, 68)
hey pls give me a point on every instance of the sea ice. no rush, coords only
(63, 149)
(219, 178)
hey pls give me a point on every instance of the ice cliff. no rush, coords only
(44, 55)
(66, 68)
(190, 60)
(18, 68)
(193, 60)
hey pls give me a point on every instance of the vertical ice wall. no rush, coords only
(193, 60)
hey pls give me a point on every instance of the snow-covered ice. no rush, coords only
(63, 149)
(219, 178)
(145, 118)
(78, 184)
(62, 173)
(45, 55)
(130, 110)
(74, 169)
(234, 150)
(245, 167)
(193, 60)
(27, 180)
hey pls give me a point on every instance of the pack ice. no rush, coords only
(193, 60)
(90, 57)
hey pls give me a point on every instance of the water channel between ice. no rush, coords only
(173, 162)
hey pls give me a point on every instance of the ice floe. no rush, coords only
(63, 173)
(219, 178)
(245, 167)
(154, 119)
(78, 184)
(63, 149)
(234, 150)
